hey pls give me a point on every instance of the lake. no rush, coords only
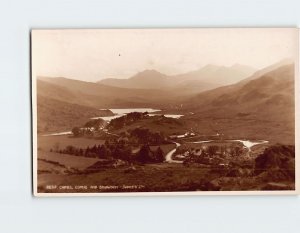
(246, 143)
(59, 134)
(123, 111)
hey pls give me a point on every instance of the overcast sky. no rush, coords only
(92, 55)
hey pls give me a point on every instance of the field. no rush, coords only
(68, 161)
(60, 172)
(64, 169)
(60, 142)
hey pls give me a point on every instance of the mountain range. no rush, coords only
(208, 77)
(231, 100)
(262, 104)
(98, 95)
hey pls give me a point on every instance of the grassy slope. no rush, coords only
(262, 108)
(54, 115)
(54, 165)
(70, 161)
(101, 96)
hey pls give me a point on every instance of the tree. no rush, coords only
(94, 149)
(212, 150)
(237, 151)
(117, 153)
(70, 150)
(77, 132)
(126, 154)
(144, 154)
(56, 147)
(159, 155)
(157, 138)
(102, 152)
(87, 152)
(106, 143)
(95, 123)
(142, 134)
(81, 152)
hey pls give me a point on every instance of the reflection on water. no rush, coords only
(202, 141)
(58, 134)
(123, 111)
(246, 143)
(176, 116)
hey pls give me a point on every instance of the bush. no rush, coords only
(77, 132)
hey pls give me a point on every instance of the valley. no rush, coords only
(132, 136)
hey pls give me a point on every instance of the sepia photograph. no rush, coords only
(164, 111)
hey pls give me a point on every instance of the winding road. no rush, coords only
(170, 154)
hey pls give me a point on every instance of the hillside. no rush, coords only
(146, 89)
(66, 94)
(54, 115)
(148, 79)
(266, 70)
(208, 77)
(261, 107)
(218, 75)
(101, 96)
(191, 87)
(274, 84)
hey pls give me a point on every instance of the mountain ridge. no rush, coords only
(212, 75)
(263, 106)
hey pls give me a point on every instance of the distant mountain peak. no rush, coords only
(150, 72)
(211, 67)
(209, 75)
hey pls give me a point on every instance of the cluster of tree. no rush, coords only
(237, 151)
(212, 150)
(128, 119)
(104, 151)
(118, 150)
(79, 132)
(209, 154)
(221, 150)
(146, 155)
(197, 157)
(275, 159)
(145, 136)
(88, 128)
(95, 123)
